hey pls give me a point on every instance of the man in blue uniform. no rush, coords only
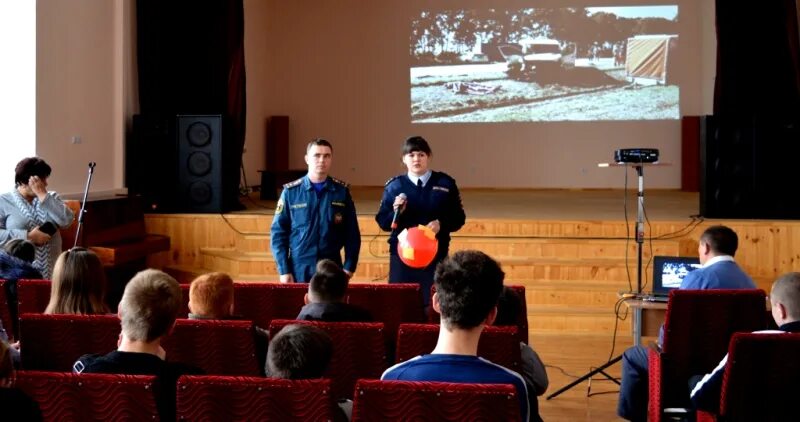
(315, 218)
(420, 197)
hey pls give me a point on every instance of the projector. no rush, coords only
(636, 155)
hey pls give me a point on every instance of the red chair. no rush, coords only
(497, 344)
(214, 398)
(5, 311)
(522, 317)
(761, 379)
(64, 396)
(434, 401)
(33, 296)
(55, 342)
(391, 304)
(698, 327)
(263, 302)
(217, 347)
(358, 352)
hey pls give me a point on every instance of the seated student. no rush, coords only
(147, 311)
(301, 352)
(716, 249)
(533, 371)
(78, 284)
(15, 405)
(16, 262)
(468, 285)
(785, 301)
(325, 297)
(211, 297)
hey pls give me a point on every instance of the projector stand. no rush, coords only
(637, 312)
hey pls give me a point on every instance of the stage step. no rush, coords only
(544, 319)
(239, 263)
(507, 247)
(585, 293)
(259, 223)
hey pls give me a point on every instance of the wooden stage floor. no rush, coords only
(546, 204)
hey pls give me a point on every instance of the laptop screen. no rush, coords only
(669, 271)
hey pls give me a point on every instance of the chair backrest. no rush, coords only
(522, 317)
(699, 324)
(5, 310)
(434, 401)
(64, 396)
(761, 378)
(263, 302)
(358, 352)
(216, 398)
(497, 344)
(33, 296)
(218, 347)
(391, 304)
(55, 342)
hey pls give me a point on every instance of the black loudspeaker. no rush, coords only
(747, 167)
(200, 164)
(150, 161)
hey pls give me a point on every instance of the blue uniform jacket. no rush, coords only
(439, 200)
(308, 227)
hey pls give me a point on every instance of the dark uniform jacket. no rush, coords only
(439, 200)
(308, 227)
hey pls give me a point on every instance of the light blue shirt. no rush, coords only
(425, 177)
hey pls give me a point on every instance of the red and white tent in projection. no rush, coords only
(649, 56)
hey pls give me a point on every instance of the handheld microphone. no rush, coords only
(398, 210)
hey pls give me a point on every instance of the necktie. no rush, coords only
(419, 183)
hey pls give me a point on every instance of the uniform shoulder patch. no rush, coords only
(341, 182)
(392, 180)
(293, 183)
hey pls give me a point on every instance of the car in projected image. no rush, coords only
(542, 54)
(475, 58)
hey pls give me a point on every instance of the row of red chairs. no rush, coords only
(54, 342)
(760, 383)
(101, 397)
(261, 302)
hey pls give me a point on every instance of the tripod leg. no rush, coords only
(590, 374)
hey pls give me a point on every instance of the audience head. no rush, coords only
(149, 306)
(328, 284)
(509, 307)
(716, 241)
(785, 298)
(299, 351)
(468, 285)
(28, 167)
(211, 296)
(78, 284)
(20, 248)
(416, 144)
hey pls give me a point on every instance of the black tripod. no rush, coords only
(637, 312)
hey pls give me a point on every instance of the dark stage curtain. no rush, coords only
(191, 61)
(758, 59)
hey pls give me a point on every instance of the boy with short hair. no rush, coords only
(325, 297)
(211, 297)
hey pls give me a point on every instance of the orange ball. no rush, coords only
(417, 246)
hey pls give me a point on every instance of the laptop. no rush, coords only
(668, 273)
